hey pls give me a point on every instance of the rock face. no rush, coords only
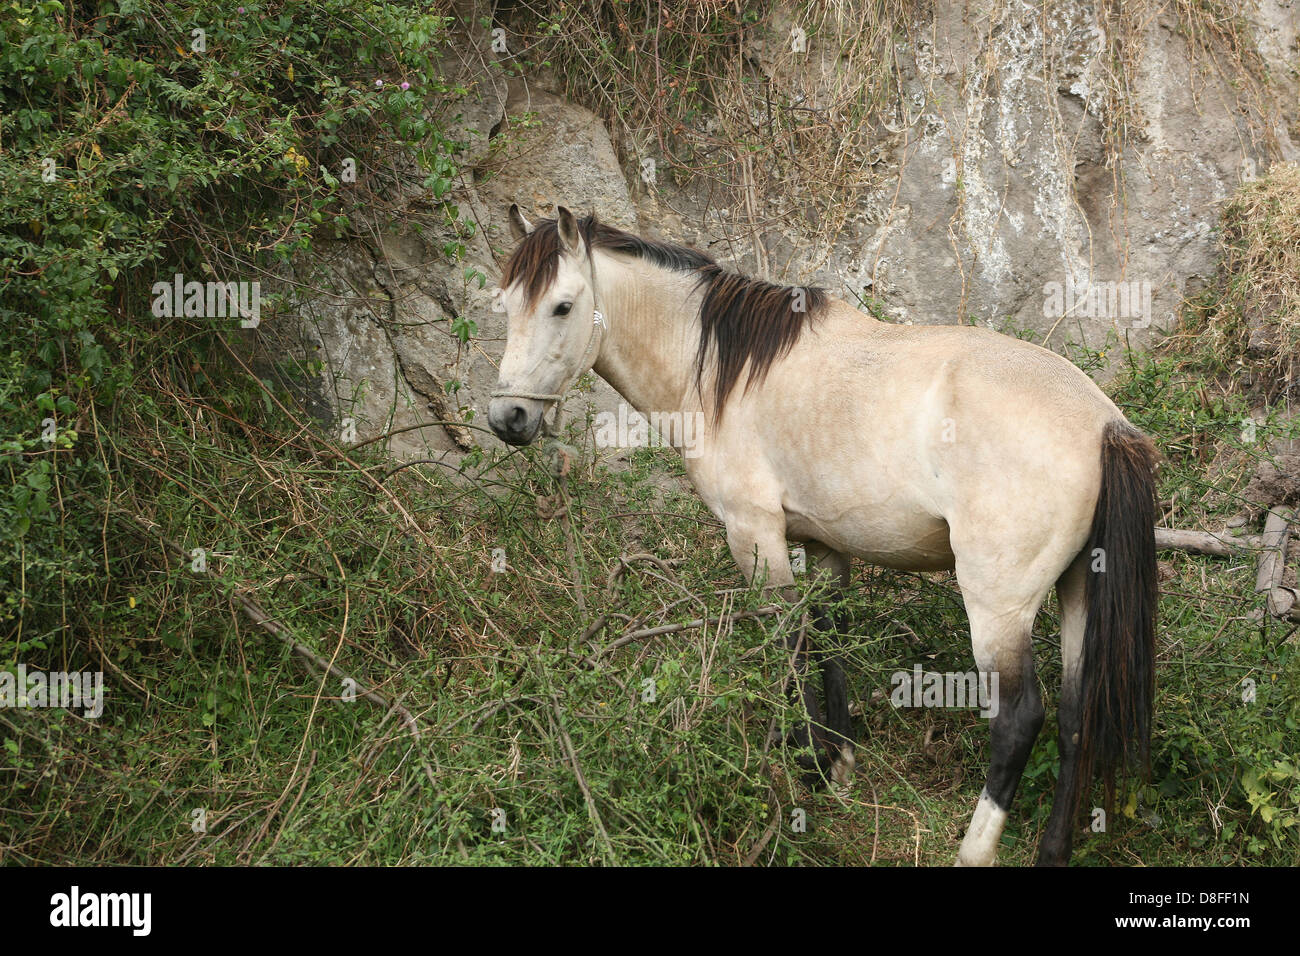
(561, 154)
(999, 191)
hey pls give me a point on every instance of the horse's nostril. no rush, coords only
(512, 421)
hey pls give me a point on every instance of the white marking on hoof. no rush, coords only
(843, 767)
(980, 847)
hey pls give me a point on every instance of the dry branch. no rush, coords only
(1223, 545)
(1280, 600)
(572, 754)
(624, 564)
(686, 625)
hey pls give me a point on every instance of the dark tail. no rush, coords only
(1123, 591)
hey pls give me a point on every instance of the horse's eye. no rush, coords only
(563, 308)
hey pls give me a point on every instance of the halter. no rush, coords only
(598, 327)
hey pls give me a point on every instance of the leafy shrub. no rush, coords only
(143, 139)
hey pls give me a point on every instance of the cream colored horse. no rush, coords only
(912, 447)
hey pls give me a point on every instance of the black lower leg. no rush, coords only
(834, 682)
(1059, 836)
(1013, 731)
(805, 733)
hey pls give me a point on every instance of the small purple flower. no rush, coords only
(379, 84)
(406, 86)
(240, 9)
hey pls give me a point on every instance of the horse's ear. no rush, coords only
(519, 226)
(568, 227)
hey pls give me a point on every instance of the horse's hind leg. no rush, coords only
(1055, 848)
(839, 731)
(1000, 637)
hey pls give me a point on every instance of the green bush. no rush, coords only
(145, 139)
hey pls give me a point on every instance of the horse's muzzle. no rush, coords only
(516, 421)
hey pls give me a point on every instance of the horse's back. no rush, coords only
(988, 360)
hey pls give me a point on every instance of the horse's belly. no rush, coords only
(906, 541)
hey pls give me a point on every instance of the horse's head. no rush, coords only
(553, 331)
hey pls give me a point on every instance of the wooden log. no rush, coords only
(1222, 545)
(1272, 563)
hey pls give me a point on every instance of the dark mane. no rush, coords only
(744, 322)
(536, 259)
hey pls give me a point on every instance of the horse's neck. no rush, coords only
(653, 329)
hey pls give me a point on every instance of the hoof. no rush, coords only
(843, 767)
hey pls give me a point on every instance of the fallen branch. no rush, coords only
(686, 625)
(592, 811)
(1223, 545)
(761, 844)
(1280, 600)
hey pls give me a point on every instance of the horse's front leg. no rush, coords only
(758, 545)
(825, 563)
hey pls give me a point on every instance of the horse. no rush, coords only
(919, 448)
